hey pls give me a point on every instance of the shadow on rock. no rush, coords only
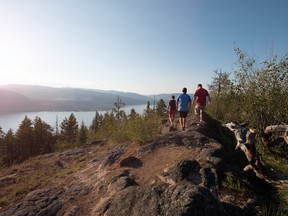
(132, 162)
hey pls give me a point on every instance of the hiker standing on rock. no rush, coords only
(171, 110)
(200, 99)
(183, 104)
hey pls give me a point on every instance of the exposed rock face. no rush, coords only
(182, 195)
(177, 174)
(180, 199)
(40, 203)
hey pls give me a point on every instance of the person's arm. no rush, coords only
(193, 100)
(190, 104)
(209, 99)
(167, 109)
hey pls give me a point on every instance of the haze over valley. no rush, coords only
(32, 98)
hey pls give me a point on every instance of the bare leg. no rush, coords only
(197, 113)
(181, 120)
(201, 116)
(170, 120)
(184, 123)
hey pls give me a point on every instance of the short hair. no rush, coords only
(200, 85)
(173, 97)
(184, 90)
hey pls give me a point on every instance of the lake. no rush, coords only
(12, 121)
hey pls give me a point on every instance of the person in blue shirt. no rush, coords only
(183, 104)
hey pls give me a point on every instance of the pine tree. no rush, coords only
(82, 134)
(25, 141)
(133, 114)
(3, 150)
(43, 136)
(96, 122)
(69, 129)
(11, 149)
(161, 108)
(117, 108)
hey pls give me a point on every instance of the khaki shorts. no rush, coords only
(198, 109)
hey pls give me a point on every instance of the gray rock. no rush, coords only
(181, 199)
(110, 158)
(40, 203)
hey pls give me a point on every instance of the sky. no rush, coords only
(140, 46)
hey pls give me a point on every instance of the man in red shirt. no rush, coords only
(200, 98)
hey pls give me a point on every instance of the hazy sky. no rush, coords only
(142, 46)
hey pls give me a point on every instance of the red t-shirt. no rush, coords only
(200, 95)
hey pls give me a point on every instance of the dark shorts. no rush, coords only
(183, 114)
(198, 109)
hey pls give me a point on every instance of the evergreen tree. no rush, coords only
(117, 107)
(11, 148)
(220, 90)
(133, 114)
(82, 134)
(109, 124)
(3, 150)
(161, 108)
(69, 129)
(96, 122)
(148, 111)
(25, 140)
(43, 136)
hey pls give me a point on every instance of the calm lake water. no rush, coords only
(13, 121)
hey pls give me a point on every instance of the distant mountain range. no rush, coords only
(32, 98)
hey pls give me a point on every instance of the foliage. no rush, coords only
(9, 142)
(32, 138)
(257, 94)
(141, 129)
(161, 108)
(3, 149)
(231, 183)
(133, 114)
(136, 129)
(117, 108)
(62, 145)
(148, 111)
(25, 142)
(221, 90)
(277, 205)
(69, 129)
(82, 134)
(43, 137)
(108, 125)
(96, 122)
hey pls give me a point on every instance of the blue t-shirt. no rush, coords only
(183, 102)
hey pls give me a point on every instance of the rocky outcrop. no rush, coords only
(179, 173)
(40, 203)
(188, 190)
(180, 199)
